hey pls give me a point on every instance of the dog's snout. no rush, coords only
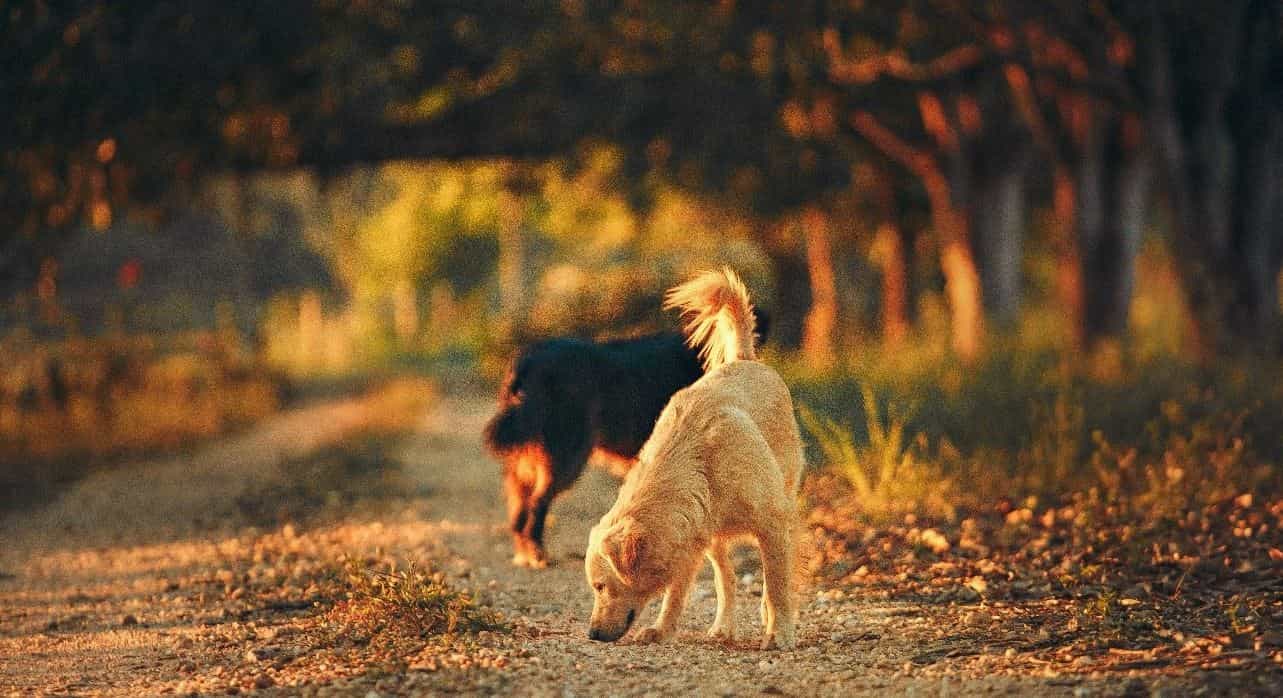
(610, 634)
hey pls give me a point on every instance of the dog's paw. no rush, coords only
(534, 561)
(652, 636)
(725, 633)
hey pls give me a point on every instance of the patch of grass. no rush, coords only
(408, 601)
(887, 473)
(1156, 433)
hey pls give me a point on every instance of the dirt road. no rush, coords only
(179, 576)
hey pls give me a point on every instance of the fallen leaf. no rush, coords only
(935, 541)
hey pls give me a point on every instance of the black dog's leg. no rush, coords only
(528, 481)
(567, 438)
(566, 469)
(517, 492)
(536, 512)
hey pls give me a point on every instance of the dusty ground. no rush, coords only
(219, 572)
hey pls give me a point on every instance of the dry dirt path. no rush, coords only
(153, 579)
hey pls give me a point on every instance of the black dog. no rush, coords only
(565, 400)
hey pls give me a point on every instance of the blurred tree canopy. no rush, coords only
(805, 115)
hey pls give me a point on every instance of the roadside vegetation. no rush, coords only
(1104, 524)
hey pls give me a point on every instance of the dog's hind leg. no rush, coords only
(778, 603)
(723, 627)
(516, 493)
(768, 614)
(557, 477)
(523, 471)
(568, 440)
(537, 503)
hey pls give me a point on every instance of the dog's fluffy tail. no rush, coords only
(508, 430)
(516, 424)
(722, 323)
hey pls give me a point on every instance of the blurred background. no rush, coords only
(1007, 247)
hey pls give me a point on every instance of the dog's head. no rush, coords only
(625, 570)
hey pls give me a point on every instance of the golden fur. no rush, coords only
(722, 464)
(723, 324)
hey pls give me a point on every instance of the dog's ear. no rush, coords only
(624, 547)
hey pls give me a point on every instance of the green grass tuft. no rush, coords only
(887, 473)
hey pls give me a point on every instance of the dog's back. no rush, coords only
(568, 395)
(746, 395)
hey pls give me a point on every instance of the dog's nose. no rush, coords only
(594, 634)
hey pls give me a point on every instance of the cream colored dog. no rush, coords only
(722, 464)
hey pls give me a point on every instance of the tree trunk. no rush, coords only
(1256, 126)
(893, 259)
(893, 253)
(952, 227)
(792, 295)
(957, 262)
(821, 320)
(1069, 268)
(1109, 258)
(1256, 235)
(998, 218)
(1221, 181)
(1100, 197)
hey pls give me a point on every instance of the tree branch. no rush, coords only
(894, 64)
(916, 160)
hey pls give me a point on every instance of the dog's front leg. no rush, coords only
(674, 602)
(723, 627)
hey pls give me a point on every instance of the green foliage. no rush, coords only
(1162, 438)
(888, 473)
(409, 223)
(1055, 451)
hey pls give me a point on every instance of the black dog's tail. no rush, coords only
(513, 426)
(508, 430)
